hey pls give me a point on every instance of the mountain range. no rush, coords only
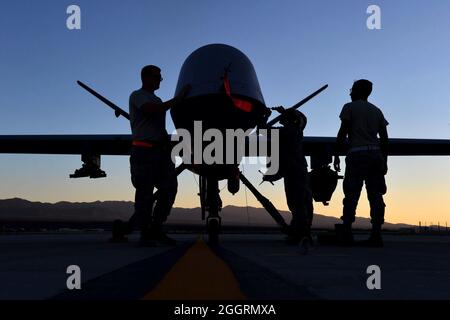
(17, 210)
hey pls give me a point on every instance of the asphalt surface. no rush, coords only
(243, 266)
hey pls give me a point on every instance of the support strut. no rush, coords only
(270, 208)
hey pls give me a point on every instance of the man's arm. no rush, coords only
(342, 134)
(150, 108)
(384, 140)
(340, 142)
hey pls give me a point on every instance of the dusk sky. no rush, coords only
(295, 47)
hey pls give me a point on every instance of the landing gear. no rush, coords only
(119, 232)
(213, 228)
(211, 202)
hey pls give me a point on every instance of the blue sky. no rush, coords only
(295, 46)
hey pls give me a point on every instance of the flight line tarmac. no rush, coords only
(242, 267)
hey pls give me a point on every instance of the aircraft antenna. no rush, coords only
(246, 198)
(117, 111)
(297, 105)
(193, 174)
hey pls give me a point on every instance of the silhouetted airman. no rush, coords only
(151, 163)
(294, 170)
(366, 161)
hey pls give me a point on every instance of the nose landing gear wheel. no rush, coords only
(213, 231)
(212, 206)
(119, 232)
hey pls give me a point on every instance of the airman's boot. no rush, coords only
(161, 237)
(345, 235)
(147, 239)
(375, 240)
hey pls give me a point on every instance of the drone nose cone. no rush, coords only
(206, 67)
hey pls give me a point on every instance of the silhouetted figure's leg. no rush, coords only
(143, 204)
(143, 163)
(353, 182)
(167, 190)
(376, 188)
(295, 186)
(309, 201)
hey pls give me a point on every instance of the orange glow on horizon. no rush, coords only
(418, 187)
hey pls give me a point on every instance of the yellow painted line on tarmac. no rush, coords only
(199, 275)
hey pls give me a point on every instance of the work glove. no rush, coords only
(271, 178)
(280, 109)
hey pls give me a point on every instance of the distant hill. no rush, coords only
(16, 210)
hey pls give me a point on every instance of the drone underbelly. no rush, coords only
(216, 111)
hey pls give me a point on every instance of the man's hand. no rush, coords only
(337, 164)
(385, 169)
(271, 177)
(179, 97)
(151, 108)
(184, 91)
(280, 109)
